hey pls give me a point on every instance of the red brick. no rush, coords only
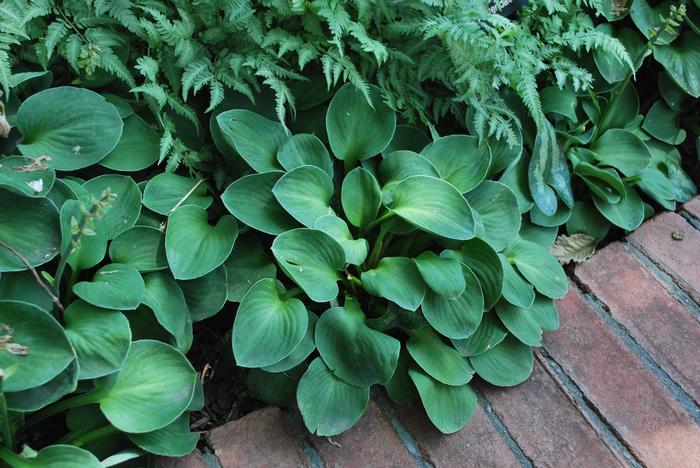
(679, 258)
(193, 460)
(261, 438)
(371, 442)
(628, 396)
(478, 444)
(547, 425)
(693, 207)
(652, 315)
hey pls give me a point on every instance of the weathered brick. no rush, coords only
(478, 444)
(656, 428)
(546, 424)
(644, 306)
(371, 442)
(693, 207)
(193, 460)
(261, 438)
(679, 258)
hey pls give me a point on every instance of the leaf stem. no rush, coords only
(294, 292)
(83, 439)
(387, 214)
(7, 435)
(79, 400)
(13, 459)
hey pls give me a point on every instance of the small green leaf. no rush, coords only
(396, 279)
(277, 388)
(400, 387)
(356, 129)
(587, 219)
(439, 360)
(173, 440)
(92, 244)
(516, 290)
(498, 211)
(302, 150)
(681, 59)
(26, 176)
(398, 165)
(559, 101)
(448, 407)
(361, 197)
(123, 212)
(540, 268)
(483, 261)
(356, 250)
(138, 147)
(442, 274)
(328, 404)
(141, 247)
(22, 286)
(205, 296)
(305, 193)
(354, 352)
(490, 332)
(64, 456)
(628, 213)
(165, 298)
(661, 122)
(506, 364)
(255, 138)
(193, 246)
(460, 160)
(114, 286)
(166, 192)
(622, 150)
(301, 352)
(36, 398)
(522, 323)
(247, 264)
(268, 326)
(312, 259)
(407, 137)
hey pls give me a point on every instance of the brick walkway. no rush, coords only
(617, 385)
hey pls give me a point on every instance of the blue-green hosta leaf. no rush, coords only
(460, 160)
(621, 111)
(123, 212)
(92, 244)
(407, 137)
(672, 94)
(434, 206)
(64, 456)
(628, 213)
(255, 138)
(661, 122)
(543, 235)
(507, 364)
(328, 404)
(100, 337)
(31, 227)
(400, 388)
(544, 151)
(205, 296)
(355, 249)
(268, 326)
(588, 220)
(448, 407)
(398, 165)
(539, 267)
(356, 129)
(312, 259)
(36, 398)
(305, 193)
(165, 298)
(354, 352)
(648, 19)
(604, 182)
(166, 192)
(74, 126)
(559, 101)
(490, 332)
(275, 388)
(250, 199)
(516, 290)
(22, 286)
(26, 176)
(114, 286)
(681, 59)
(656, 185)
(560, 216)
(42, 348)
(443, 274)
(173, 440)
(247, 264)
(138, 147)
(611, 67)
(521, 323)
(456, 317)
(361, 197)
(61, 192)
(302, 150)
(439, 360)
(516, 178)
(193, 246)
(483, 262)
(142, 247)
(152, 389)
(305, 347)
(622, 150)
(498, 211)
(667, 159)
(396, 279)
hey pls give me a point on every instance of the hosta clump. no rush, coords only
(101, 277)
(401, 265)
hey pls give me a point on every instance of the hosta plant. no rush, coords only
(392, 261)
(101, 275)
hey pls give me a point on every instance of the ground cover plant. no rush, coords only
(364, 193)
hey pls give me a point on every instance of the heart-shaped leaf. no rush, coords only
(247, 264)
(275, 388)
(439, 360)
(205, 296)
(100, 337)
(396, 279)
(37, 349)
(399, 387)
(87, 248)
(250, 199)
(460, 160)
(490, 332)
(114, 286)
(540, 268)
(587, 219)
(268, 326)
(661, 122)
(443, 274)
(354, 352)
(302, 150)
(498, 211)
(448, 407)
(361, 197)
(681, 59)
(142, 247)
(166, 192)
(137, 149)
(22, 286)
(434, 206)
(357, 129)
(482, 260)
(398, 165)
(506, 364)
(305, 193)
(31, 227)
(26, 176)
(123, 212)
(75, 126)
(312, 259)
(622, 150)
(173, 440)
(628, 213)
(193, 246)
(306, 346)
(407, 137)
(165, 298)
(355, 249)
(516, 290)
(328, 404)
(255, 138)
(36, 398)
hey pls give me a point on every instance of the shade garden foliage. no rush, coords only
(369, 190)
